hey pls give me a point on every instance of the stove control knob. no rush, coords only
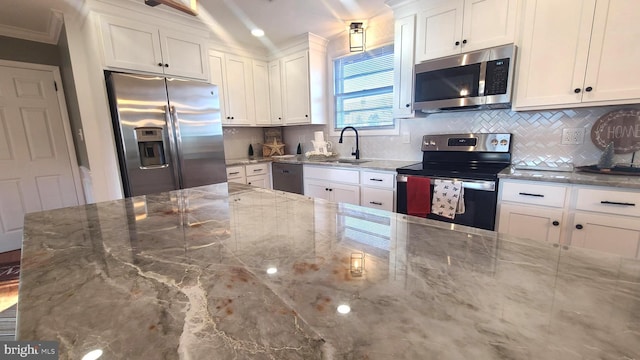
(432, 143)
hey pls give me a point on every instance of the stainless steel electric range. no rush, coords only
(473, 159)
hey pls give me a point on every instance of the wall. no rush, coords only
(28, 51)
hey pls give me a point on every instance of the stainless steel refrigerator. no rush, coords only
(168, 132)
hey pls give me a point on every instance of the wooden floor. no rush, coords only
(8, 316)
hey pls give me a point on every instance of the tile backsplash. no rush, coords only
(536, 135)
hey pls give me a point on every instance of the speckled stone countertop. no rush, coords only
(185, 275)
(572, 177)
(373, 164)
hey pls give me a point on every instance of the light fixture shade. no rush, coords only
(356, 37)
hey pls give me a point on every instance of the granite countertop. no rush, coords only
(184, 275)
(372, 164)
(571, 177)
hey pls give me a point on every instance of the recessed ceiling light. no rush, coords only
(257, 32)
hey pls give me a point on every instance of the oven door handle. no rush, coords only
(482, 185)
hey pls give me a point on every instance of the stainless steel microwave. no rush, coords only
(471, 81)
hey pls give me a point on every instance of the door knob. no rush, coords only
(577, 90)
(588, 89)
(579, 226)
(457, 43)
(556, 223)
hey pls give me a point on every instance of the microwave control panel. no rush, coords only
(497, 77)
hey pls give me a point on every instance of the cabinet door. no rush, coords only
(612, 70)
(345, 193)
(439, 31)
(240, 110)
(488, 23)
(553, 53)
(613, 234)
(261, 92)
(217, 77)
(259, 181)
(316, 189)
(531, 222)
(275, 92)
(295, 88)
(403, 66)
(183, 55)
(131, 45)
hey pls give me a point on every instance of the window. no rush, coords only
(364, 89)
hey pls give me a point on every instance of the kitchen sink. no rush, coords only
(349, 161)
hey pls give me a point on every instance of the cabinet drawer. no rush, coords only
(332, 174)
(235, 172)
(257, 169)
(609, 201)
(378, 179)
(377, 198)
(534, 194)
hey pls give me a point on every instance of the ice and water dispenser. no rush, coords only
(151, 147)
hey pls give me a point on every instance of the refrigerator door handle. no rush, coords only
(173, 145)
(150, 167)
(176, 129)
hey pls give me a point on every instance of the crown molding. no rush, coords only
(51, 36)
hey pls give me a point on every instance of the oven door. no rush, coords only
(480, 199)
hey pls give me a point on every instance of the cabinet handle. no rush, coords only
(257, 170)
(232, 118)
(375, 179)
(579, 226)
(464, 41)
(375, 203)
(330, 189)
(408, 105)
(556, 223)
(457, 43)
(530, 194)
(616, 203)
(279, 118)
(588, 89)
(577, 90)
(326, 189)
(306, 115)
(234, 173)
(159, 64)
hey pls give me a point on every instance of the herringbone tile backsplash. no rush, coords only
(536, 136)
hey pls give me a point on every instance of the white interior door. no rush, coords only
(36, 172)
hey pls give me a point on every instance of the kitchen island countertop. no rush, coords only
(230, 271)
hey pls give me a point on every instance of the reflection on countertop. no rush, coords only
(243, 272)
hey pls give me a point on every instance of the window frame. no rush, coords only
(389, 130)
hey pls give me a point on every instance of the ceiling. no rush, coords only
(230, 20)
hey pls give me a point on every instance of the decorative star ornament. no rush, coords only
(274, 149)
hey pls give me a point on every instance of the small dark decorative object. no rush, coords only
(250, 150)
(299, 150)
(606, 159)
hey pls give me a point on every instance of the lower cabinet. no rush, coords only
(333, 184)
(374, 189)
(593, 217)
(254, 174)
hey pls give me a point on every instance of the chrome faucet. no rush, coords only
(357, 152)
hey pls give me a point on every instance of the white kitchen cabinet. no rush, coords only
(607, 220)
(333, 184)
(578, 53)
(259, 175)
(253, 174)
(452, 27)
(236, 174)
(275, 92)
(403, 66)
(133, 45)
(377, 189)
(532, 210)
(217, 77)
(240, 107)
(301, 86)
(261, 92)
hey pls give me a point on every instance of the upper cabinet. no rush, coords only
(452, 27)
(133, 45)
(239, 96)
(298, 85)
(578, 53)
(403, 66)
